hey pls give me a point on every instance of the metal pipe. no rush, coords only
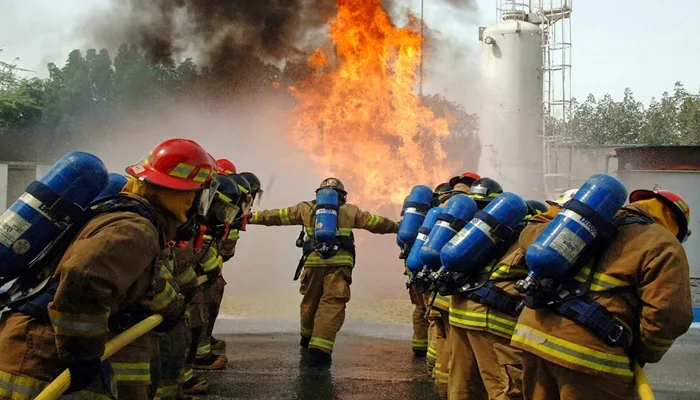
(607, 162)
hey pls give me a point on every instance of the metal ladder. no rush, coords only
(554, 17)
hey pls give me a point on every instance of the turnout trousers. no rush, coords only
(326, 292)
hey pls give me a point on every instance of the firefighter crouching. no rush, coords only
(638, 303)
(326, 277)
(104, 281)
(483, 365)
(439, 314)
(220, 239)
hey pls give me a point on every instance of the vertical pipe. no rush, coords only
(3, 187)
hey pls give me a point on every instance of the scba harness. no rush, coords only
(307, 242)
(37, 305)
(572, 300)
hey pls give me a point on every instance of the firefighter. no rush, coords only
(325, 282)
(175, 344)
(218, 247)
(483, 365)
(439, 314)
(419, 342)
(104, 282)
(250, 186)
(639, 285)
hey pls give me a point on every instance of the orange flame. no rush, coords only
(358, 116)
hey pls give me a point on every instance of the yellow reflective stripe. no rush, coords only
(482, 320)
(167, 391)
(345, 231)
(224, 197)
(321, 343)
(162, 299)
(373, 221)
(187, 374)
(306, 332)
(182, 170)
(442, 301)
(233, 234)
(506, 271)
(571, 352)
(207, 238)
(253, 217)
(204, 349)
(316, 260)
(419, 344)
(211, 263)
(132, 372)
(655, 343)
(284, 216)
(164, 273)
(243, 189)
(186, 277)
(600, 282)
(79, 325)
(19, 387)
(432, 353)
(202, 175)
(442, 377)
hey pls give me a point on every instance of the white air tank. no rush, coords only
(511, 114)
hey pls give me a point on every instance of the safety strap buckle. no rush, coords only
(615, 336)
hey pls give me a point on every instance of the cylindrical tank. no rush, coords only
(675, 168)
(511, 107)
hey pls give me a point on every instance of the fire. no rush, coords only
(358, 116)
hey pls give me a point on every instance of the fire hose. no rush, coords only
(59, 385)
(640, 380)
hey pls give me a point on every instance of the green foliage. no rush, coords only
(463, 143)
(672, 120)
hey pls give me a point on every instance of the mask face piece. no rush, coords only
(207, 197)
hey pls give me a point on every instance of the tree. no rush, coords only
(463, 143)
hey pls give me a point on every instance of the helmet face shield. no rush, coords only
(224, 211)
(207, 197)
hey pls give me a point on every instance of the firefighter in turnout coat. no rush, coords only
(325, 282)
(439, 314)
(640, 283)
(104, 280)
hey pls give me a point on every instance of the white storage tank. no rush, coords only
(511, 113)
(675, 168)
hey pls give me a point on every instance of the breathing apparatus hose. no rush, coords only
(59, 385)
(640, 380)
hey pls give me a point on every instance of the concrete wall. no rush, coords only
(585, 161)
(14, 178)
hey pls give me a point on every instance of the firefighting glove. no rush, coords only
(173, 316)
(83, 372)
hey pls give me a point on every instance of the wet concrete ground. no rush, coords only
(374, 361)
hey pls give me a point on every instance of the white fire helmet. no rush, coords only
(563, 198)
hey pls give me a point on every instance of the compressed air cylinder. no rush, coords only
(47, 208)
(413, 262)
(471, 247)
(459, 210)
(556, 249)
(415, 208)
(114, 187)
(326, 216)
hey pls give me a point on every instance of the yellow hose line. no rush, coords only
(202, 280)
(640, 379)
(59, 385)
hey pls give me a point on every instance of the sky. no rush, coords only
(642, 44)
